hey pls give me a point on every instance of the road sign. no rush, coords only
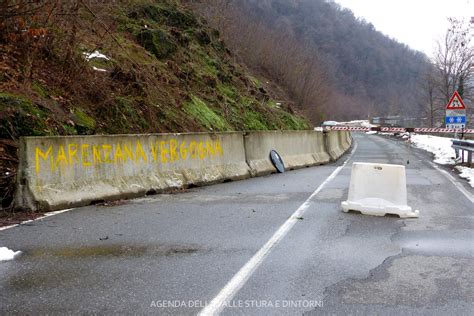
(455, 112)
(456, 102)
(456, 126)
(455, 120)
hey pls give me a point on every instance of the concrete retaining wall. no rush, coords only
(345, 139)
(62, 172)
(333, 145)
(297, 148)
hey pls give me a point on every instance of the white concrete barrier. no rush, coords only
(336, 144)
(297, 149)
(61, 172)
(378, 189)
(347, 140)
(343, 140)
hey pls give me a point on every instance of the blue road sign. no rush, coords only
(455, 120)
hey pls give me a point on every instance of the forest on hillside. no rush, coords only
(333, 65)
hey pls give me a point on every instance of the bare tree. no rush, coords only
(453, 59)
(429, 96)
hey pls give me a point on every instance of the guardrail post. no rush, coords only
(462, 146)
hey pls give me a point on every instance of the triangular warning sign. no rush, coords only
(455, 103)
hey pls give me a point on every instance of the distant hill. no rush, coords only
(334, 65)
(85, 67)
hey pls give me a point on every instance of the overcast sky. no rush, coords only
(417, 23)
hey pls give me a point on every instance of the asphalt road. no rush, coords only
(176, 253)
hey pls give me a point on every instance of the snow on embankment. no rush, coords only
(439, 146)
(467, 173)
(357, 123)
(444, 153)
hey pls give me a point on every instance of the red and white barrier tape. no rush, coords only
(400, 129)
(349, 128)
(443, 130)
(392, 129)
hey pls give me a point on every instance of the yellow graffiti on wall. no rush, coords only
(91, 155)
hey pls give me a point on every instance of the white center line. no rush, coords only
(240, 278)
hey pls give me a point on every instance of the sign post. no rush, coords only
(456, 112)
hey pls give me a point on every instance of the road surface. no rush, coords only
(240, 248)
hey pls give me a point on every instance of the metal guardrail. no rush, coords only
(460, 146)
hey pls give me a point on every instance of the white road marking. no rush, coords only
(466, 193)
(55, 213)
(37, 219)
(240, 278)
(7, 227)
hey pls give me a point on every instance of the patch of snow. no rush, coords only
(99, 69)
(330, 123)
(367, 124)
(371, 132)
(439, 146)
(357, 123)
(96, 54)
(467, 173)
(7, 254)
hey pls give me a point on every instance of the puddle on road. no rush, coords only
(113, 251)
(53, 268)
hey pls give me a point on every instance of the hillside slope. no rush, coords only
(335, 65)
(113, 67)
(124, 67)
